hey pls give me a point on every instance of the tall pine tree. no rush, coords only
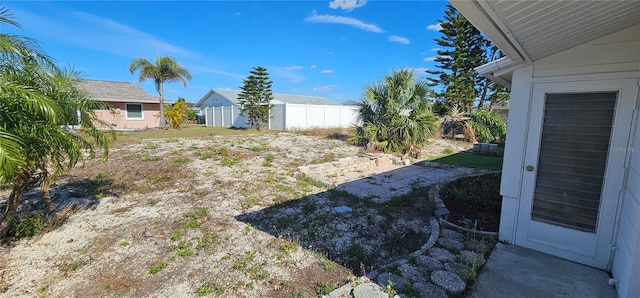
(255, 97)
(464, 48)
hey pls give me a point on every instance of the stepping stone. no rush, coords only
(431, 264)
(427, 289)
(451, 234)
(454, 267)
(448, 281)
(369, 290)
(449, 243)
(441, 254)
(342, 209)
(412, 272)
(398, 282)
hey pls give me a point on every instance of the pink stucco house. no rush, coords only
(130, 107)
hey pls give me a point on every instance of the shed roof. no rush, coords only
(528, 31)
(116, 91)
(232, 96)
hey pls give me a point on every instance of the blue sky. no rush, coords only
(316, 48)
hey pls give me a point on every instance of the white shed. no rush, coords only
(571, 174)
(221, 108)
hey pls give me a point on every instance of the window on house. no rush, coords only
(134, 111)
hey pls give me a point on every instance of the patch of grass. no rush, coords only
(158, 267)
(493, 163)
(229, 161)
(259, 148)
(184, 249)
(323, 288)
(160, 178)
(198, 213)
(175, 235)
(176, 162)
(447, 151)
(288, 247)
(328, 157)
(28, 226)
(191, 224)
(393, 269)
(204, 290)
(74, 264)
(123, 243)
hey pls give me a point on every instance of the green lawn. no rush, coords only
(488, 162)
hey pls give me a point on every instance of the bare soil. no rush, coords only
(220, 216)
(474, 202)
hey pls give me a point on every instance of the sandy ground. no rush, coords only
(225, 216)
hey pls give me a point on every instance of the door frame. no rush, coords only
(613, 177)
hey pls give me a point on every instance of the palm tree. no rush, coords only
(396, 114)
(166, 69)
(37, 99)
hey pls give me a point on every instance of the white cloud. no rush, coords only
(347, 5)
(430, 58)
(399, 39)
(313, 66)
(331, 19)
(292, 75)
(436, 49)
(296, 67)
(329, 53)
(324, 88)
(418, 71)
(327, 71)
(434, 27)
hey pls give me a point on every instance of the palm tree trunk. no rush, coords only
(19, 188)
(162, 123)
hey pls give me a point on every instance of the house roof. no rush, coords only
(527, 31)
(116, 91)
(232, 96)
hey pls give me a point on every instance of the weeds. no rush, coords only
(323, 288)
(158, 267)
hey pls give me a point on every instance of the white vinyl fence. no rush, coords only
(287, 116)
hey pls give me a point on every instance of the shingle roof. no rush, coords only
(232, 96)
(116, 91)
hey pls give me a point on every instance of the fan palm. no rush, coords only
(395, 114)
(166, 69)
(37, 100)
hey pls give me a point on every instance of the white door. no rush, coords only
(574, 168)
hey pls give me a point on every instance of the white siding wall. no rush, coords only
(287, 116)
(215, 100)
(616, 55)
(626, 264)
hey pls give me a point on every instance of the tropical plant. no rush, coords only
(166, 69)
(255, 97)
(395, 114)
(457, 122)
(177, 113)
(489, 126)
(38, 101)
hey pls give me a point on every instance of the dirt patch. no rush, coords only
(474, 202)
(210, 216)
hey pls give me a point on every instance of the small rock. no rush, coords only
(449, 243)
(398, 282)
(471, 257)
(369, 290)
(454, 267)
(448, 281)
(451, 234)
(441, 254)
(342, 209)
(428, 289)
(411, 272)
(431, 264)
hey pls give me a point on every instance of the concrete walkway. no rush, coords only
(514, 271)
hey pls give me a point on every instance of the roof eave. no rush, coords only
(500, 71)
(480, 14)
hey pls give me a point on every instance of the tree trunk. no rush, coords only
(19, 187)
(162, 123)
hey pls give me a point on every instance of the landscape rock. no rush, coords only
(427, 289)
(342, 209)
(398, 282)
(441, 254)
(412, 272)
(449, 243)
(451, 234)
(448, 281)
(454, 267)
(369, 290)
(431, 264)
